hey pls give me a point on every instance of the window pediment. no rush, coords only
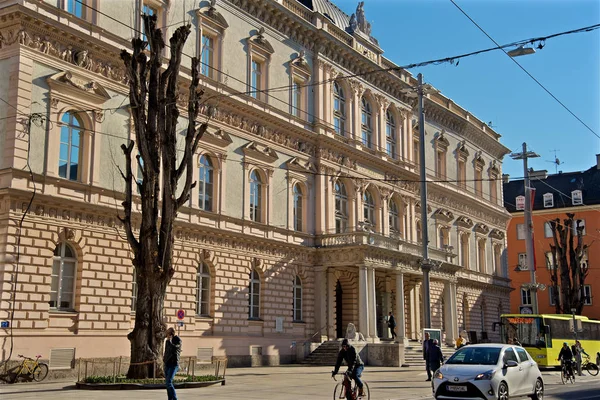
(259, 42)
(494, 170)
(497, 234)
(479, 161)
(300, 67)
(443, 214)
(211, 14)
(300, 165)
(462, 150)
(418, 207)
(481, 228)
(441, 142)
(260, 152)
(67, 85)
(218, 138)
(464, 222)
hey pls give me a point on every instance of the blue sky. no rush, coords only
(493, 87)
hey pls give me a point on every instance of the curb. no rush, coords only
(144, 386)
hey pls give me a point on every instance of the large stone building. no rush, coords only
(306, 214)
(556, 195)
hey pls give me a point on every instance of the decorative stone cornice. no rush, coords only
(464, 222)
(497, 234)
(481, 228)
(443, 215)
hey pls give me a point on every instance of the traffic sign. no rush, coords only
(4, 324)
(180, 314)
(180, 323)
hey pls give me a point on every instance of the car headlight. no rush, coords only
(485, 376)
(438, 375)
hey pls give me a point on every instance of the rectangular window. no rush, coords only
(523, 262)
(547, 230)
(581, 224)
(548, 200)
(577, 197)
(494, 190)
(462, 174)
(75, 7)
(549, 260)
(256, 79)
(148, 11)
(441, 164)
(551, 291)
(521, 231)
(587, 295)
(296, 99)
(416, 151)
(525, 297)
(206, 56)
(478, 182)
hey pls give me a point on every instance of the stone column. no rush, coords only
(331, 323)
(363, 301)
(321, 201)
(451, 315)
(357, 92)
(321, 302)
(400, 315)
(318, 71)
(372, 304)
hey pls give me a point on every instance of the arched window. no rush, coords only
(254, 301)
(339, 109)
(481, 255)
(297, 299)
(464, 250)
(444, 240)
(390, 134)
(71, 133)
(341, 208)
(203, 290)
(368, 208)
(62, 287)
(205, 184)
(298, 199)
(419, 232)
(394, 216)
(255, 196)
(366, 125)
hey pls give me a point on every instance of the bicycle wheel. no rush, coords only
(40, 372)
(338, 392)
(366, 391)
(563, 376)
(17, 373)
(592, 369)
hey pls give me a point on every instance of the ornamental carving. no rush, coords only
(481, 228)
(298, 164)
(443, 214)
(497, 234)
(464, 222)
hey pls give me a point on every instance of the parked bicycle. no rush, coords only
(589, 366)
(30, 367)
(347, 389)
(566, 372)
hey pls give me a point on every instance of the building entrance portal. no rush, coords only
(339, 325)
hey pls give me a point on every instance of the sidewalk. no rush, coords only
(273, 383)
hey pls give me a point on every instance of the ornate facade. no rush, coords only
(306, 214)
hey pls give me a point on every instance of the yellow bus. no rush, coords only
(543, 335)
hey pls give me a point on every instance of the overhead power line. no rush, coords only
(590, 28)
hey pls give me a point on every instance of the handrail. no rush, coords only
(314, 334)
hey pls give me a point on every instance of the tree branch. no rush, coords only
(133, 242)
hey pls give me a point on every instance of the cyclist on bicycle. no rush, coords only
(566, 357)
(355, 364)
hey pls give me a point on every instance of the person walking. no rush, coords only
(435, 356)
(392, 325)
(577, 353)
(460, 342)
(355, 364)
(171, 361)
(427, 343)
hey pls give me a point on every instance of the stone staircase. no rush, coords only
(413, 354)
(325, 354)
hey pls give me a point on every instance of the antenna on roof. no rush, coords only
(556, 161)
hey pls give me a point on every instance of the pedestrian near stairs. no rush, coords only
(427, 343)
(392, 325)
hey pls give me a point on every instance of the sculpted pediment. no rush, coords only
(259, 40)
(443, 214)
(260, 152)
(497, 234)
(465, 222)
(72, 85)
(218, 138)
(481, 228)
(213, 15)
(418, 207)
(300, 165)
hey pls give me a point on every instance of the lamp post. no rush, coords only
(573, 311)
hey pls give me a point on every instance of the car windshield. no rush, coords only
(475, 355)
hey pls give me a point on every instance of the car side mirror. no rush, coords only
(510, 364)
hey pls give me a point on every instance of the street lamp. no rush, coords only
(521, 51)
(573, 310)
(426, 264)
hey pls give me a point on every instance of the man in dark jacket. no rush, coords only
(355, 364)
(435, 358)
(392, 325)
(427, 343)
(566, 357)
(171, 360)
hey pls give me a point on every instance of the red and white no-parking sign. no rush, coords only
(180, 314)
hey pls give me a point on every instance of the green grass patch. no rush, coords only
(123, 379)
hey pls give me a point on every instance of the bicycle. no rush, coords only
(29, 366)
(347, 389)
(566, 372)
(589, 366)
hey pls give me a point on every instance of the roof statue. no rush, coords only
(353, 24)
(363, 24)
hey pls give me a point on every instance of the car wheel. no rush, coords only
(502, 391)
(538, 392)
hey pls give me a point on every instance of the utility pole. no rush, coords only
(533, 286)
(425, 263)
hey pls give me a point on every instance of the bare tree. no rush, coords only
(153, 96)
(568, 273)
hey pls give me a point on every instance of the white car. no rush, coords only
(489, 371)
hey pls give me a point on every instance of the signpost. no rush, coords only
(180, 317)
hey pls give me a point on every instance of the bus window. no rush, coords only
(527, 330)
